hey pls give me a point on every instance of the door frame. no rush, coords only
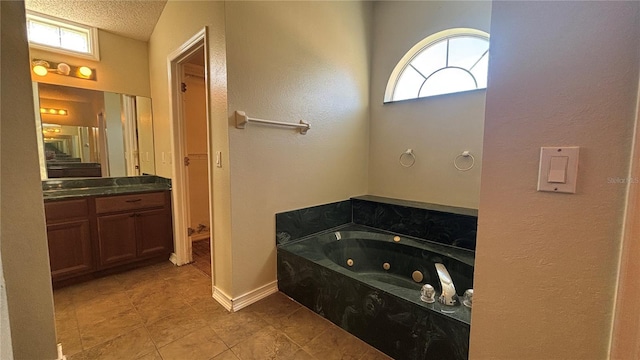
(183, 250)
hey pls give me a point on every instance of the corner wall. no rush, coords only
(437, 128)
(181, 20)
(561, 73)
(23, 240)
(289, 61)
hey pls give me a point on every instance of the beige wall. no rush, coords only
(23, 241)
(286, 62)
(626, 330)
(436, 128)
(179, 21)
(561, 73)
(123, 66)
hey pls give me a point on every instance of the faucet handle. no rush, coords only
(467, 300)
(428, 294)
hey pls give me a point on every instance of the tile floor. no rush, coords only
(164, 312)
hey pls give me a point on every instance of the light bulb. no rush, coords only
(64, 69)
(52, 111)
(85, 71)
(40, 70)
(62, 112)
(43, 110)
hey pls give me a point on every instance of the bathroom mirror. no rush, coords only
(88, 133)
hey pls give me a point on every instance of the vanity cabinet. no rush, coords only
(100, 234)
(69, 237)
(132, 227)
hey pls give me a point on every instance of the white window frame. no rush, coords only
(92, 36)
(417, 49)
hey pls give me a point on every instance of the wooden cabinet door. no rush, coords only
(154, 232)
(69, 249)
(117, 239)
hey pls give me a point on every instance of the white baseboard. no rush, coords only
(60, 355)
(223, 299)
(255, 295)
(173, 258)
(246, 299)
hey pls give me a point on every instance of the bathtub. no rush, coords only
(360, 278)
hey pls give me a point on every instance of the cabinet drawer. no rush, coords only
(66, 209)
(129, 202)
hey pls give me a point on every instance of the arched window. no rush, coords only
(449, 61)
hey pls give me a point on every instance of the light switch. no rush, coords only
(558, 171)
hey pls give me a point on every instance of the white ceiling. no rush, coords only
(130, 18)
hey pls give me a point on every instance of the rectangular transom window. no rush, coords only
(62, 36)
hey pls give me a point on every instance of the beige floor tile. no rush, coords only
(174, 327)
(131, 345)
(267, 343)
(164, 312)
(202, 344)
(193, 289)
(237, 327)
(210, 311)
(145, 288)
(303, 355)
(302, 325)
(110, 328)
(70, 340)
(335, 343)
(77, 356)
(154, 355)
(66, 319)
(158, 305)
(63, 299)
(145, 275)
(274, 307)
(226, 355)
(98, 288)
(101, 308)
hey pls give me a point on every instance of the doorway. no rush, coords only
(190, 129)
(194, 117)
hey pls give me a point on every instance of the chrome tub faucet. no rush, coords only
(448, 296)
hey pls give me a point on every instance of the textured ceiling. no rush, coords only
(133, 19)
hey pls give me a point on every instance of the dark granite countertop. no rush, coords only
(63, 189)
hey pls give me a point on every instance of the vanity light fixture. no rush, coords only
(43, 67)
(48, 129)
(52, 111)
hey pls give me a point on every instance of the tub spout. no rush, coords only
(448, 296)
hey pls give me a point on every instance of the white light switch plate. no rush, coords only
(551, 183)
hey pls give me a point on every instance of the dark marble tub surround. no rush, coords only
(370, 248)
(56, 189)
(295, 224)
(444, 224)
(396, 326)
(382, 309)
